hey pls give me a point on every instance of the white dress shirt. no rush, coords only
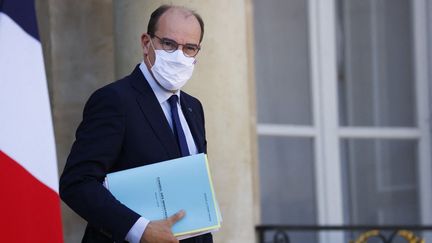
(137, 230)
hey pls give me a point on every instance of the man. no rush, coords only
(141, 119)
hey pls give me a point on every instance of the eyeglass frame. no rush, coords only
(176, 45)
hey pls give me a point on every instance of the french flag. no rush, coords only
(29, 201)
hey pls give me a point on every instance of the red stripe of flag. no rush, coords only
(29, 210)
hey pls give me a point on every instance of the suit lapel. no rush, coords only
(191, 119)
(153, 112)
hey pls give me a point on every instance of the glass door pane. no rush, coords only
(376, 77)
(381, 181)
(288, 184)
(282, 62)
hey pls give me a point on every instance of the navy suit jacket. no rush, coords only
(123, 127)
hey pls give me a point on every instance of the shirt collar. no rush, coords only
(161, 94)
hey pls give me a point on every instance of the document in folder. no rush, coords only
(159, 190)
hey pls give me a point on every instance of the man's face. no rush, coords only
(175, 24)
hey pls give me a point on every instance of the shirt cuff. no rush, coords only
(135, 233)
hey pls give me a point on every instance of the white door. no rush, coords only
(343, 113)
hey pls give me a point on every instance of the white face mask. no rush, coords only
(172, 70)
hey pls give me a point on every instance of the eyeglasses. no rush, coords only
(168, 45)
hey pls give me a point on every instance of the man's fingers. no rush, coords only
(176, 217)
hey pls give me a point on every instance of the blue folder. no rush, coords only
(159, 190)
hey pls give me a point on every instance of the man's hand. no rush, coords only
(160, 231)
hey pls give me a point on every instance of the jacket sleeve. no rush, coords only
(96, 148)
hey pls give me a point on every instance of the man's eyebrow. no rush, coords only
(168, 39)
(187, 43)
(192, 44)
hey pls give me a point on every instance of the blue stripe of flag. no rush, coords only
(23, 12)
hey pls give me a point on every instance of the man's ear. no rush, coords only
(145, 39)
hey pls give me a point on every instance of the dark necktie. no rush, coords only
(178, 130)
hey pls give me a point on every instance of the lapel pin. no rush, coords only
(190, 109)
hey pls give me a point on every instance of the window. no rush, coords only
(343, 113)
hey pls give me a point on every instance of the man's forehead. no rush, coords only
(178, 13)
(180, 23)
(179, 10)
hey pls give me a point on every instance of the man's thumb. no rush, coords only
(176, 217)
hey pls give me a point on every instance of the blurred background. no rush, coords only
(317, 111)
